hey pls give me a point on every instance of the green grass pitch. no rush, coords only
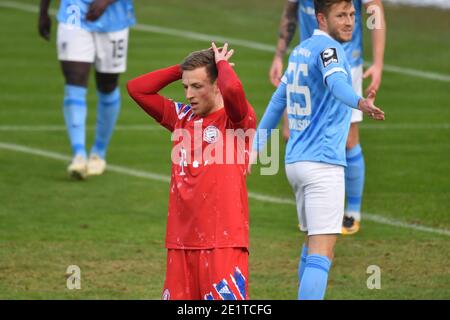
(113, 226)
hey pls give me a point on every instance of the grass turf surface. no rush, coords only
(113, 226)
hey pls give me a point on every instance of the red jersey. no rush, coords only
(208, 203)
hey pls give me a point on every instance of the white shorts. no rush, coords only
(357, 82)
(107, 49)
(320, 195)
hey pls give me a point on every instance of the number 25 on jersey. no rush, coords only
(295, 104)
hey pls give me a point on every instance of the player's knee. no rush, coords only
(331, 255)
(326, 253)
(353, 136)
(107, 82)
(322, 245)
(76, 79)
(286, 135)
(350, 144)
(106, 87)
(75, 73)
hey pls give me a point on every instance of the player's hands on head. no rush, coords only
(97, 8)
(44, 25)
(367, 106)
(222, 53)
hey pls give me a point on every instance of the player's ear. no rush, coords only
(321, 19)
(216, 87)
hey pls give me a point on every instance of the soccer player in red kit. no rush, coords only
(207, 229)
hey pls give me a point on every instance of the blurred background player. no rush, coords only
(90, 31)
(316, 90)
(303, 11)
(207, 228)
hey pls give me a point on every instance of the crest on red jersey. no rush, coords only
(211, 134)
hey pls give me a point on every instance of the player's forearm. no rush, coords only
(378, 45)
(271, 117)
(144, 90)
(378, 32)
(43, 7)
(235, 102)
(153, 82)
(342, 90)
(288, 25)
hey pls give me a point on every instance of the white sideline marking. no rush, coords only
(45, 128)
(62, 157)
(403, 126)
(414, 73)
(143, 127)
(443, 4)
(239, 42)
(255, 196)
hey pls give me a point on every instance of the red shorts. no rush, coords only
(210, 274)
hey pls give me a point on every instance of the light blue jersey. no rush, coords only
(117, 16)
(308, 22)
(317, 73)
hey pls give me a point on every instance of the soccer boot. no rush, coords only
(95, 165)
(77, 169)
(350, 226)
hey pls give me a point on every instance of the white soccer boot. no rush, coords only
(77, 169)
(95, 165)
